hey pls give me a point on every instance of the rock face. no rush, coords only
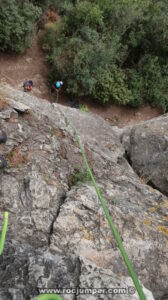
(58, 236)
(148, 152)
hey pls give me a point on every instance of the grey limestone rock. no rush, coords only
(147, 147)
(58, 235)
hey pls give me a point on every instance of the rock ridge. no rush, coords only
(58, 235)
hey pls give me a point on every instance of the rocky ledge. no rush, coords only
(58, 235)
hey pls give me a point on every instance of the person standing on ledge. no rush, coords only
(3, 138)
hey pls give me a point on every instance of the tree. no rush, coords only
(112, 50)
(17, 20)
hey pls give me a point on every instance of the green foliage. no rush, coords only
(110, 84)
(112, 50)
(156, 78)
(17, 20)
(80, 175)
(51, 31)
(83, 107)
(85, 13)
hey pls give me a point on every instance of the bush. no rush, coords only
(83, 107)
(51, 31)
(17, 20)
(112, 50)
(80, 175)
(110, 84)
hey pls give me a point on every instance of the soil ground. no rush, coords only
(15, 69)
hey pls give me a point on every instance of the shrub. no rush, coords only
(83, 107)
(17, 22)
(80, 175)
(51, 31)
(110, 84)
(112, 50)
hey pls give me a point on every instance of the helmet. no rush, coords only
(58, 84)
(61, 82)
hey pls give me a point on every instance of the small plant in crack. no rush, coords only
(10, 154)
(79, 175)
(83, 107)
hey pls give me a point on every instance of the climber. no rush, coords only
(28, 85)
(3, 138)
(57, 86)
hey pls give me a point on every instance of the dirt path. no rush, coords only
(15, 69)
(119, 115)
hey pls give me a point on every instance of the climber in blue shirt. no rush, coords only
(57, 85)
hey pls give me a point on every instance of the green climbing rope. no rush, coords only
(112, 226)
(57, 96)
(4, 230)
(49, 297)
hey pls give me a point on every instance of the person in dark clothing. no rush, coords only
(28, 85)
(3, 138)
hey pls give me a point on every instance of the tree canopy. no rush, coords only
(17, 20)
(111, 50)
